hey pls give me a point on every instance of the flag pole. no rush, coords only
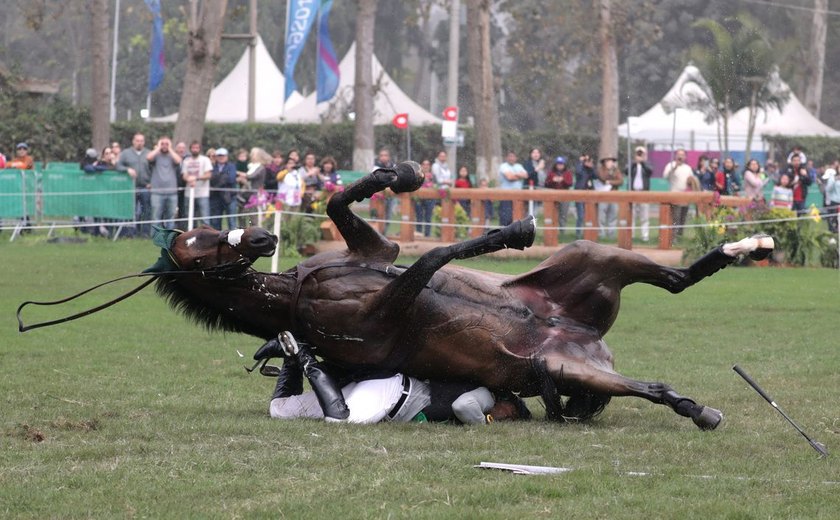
(408, 135)
(285, 56)
(317, 49)
(113, 115)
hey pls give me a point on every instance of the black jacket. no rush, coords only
(646, 173)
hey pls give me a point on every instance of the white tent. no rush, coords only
(793, 119)
(229, 99)
(667, 120)
(389, 100)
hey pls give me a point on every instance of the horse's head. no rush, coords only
(206, 249)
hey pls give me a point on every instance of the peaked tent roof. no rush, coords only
(668, 118)
(793, 119)
(389, 100)
(229, 99)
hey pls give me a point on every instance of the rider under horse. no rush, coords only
(539, 333)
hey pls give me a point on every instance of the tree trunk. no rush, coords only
(609, 84)
(363, 140)
(488, 140)
(422, 91)
(205, 26)
(753, 111)
(816, 58)
(100, 101)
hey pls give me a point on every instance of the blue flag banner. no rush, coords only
(301, 14)
(156, 62)
(328, 73)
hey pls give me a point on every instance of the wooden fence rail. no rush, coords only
(625, 199)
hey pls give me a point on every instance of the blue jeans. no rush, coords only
(390, 202)
(202, 211)
(505, 212)
(219, 207)
(424, 210)
(142, 211)
(580, 209)
(164, 206)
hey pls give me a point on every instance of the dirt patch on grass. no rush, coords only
(86, 425)
(27, 432)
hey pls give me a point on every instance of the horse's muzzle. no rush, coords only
(261, 242)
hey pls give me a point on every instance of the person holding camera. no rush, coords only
(163, 163)
(679, 176)
(584, 175)
(639, 174)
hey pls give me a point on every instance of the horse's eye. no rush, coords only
(198, 261)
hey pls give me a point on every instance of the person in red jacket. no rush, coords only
(560, 177)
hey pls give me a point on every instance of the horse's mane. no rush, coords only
(212, 318)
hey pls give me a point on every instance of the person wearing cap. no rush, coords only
(584, 175)
(22, 160)
(560, 177)
(639, 174)
(133, 161)
(222, 189)
(832, 197)
(609, 178)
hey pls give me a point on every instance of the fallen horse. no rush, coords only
(538, 333)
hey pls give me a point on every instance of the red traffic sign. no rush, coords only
(400, 121)
(450, 113)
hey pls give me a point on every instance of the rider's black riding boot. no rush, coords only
(290, 380)
(326, 389)
(518, 235)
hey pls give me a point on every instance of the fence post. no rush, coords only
(625, 234)
(447, 218)
(590, 224)
(477, 217)
(407, 217)
(519, 210)
(550, 222)
(665, 230)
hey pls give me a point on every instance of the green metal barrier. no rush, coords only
(13, 185)
(67, 193)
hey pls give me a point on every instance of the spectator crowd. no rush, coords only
(223, 185)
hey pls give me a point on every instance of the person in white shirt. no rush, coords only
(441, 171)
(196, 170)
(679, 175)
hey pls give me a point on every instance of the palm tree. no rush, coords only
(738, 69)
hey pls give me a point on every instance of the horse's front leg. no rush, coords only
(360, 236)
(590, 389)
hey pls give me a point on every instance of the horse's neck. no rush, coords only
(258, 303)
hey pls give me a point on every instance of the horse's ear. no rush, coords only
(164, 238)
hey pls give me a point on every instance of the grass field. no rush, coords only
(134, 412)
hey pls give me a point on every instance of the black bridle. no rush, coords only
(239, 268)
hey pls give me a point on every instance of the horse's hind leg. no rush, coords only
(591, 388)
(401, 292)
(360, 236)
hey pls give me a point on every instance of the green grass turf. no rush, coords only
(142, 414)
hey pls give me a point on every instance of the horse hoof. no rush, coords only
(765, 247)
(709, 418)
(409, 177)
(521, 233)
